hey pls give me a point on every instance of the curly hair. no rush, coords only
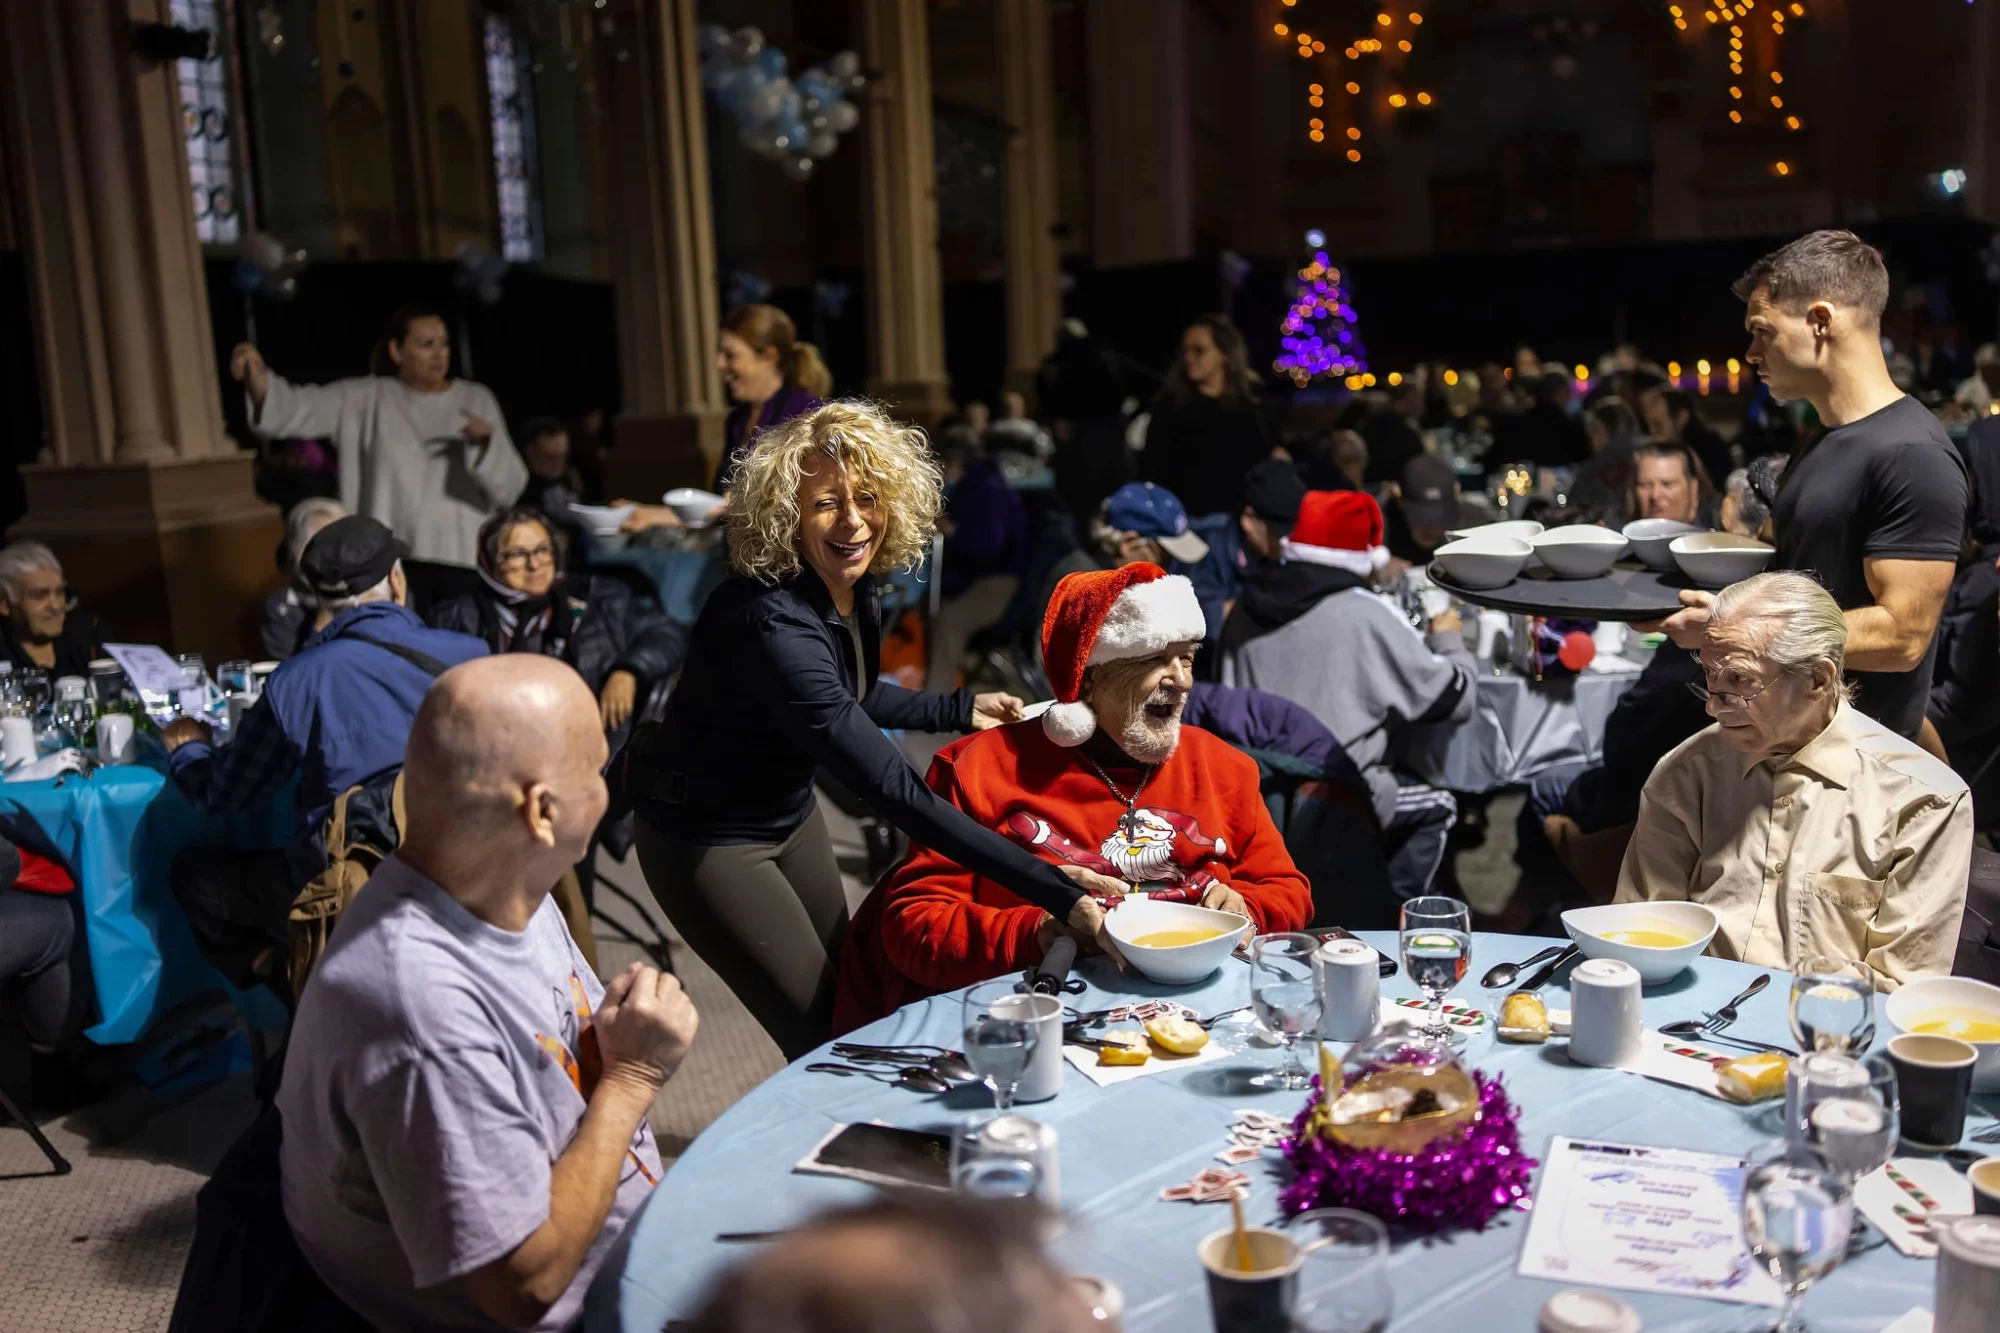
(891, 460)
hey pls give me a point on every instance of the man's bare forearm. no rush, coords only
(519, 1289)
(1877, 641)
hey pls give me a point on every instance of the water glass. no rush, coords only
(1285, 990)
(33, 684)
(107, 683)
(1798, 1215)
(1344, 1272)
(1005, 1157)
(1436, 937)
(998, 1045)
(1833, 1005)
(233, 677)
(1847, 1111)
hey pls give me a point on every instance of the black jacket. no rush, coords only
(1200, 450)
(81, 641)
(596, 629)
(769, 694)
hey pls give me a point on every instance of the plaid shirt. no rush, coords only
(248, 770)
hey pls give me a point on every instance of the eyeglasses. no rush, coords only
(1726, 698)
(536, 555)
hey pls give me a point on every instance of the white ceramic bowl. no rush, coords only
(1718, 559)
(1903, 1007)
(1183, 963)
(1524, 528)
(602, 520)
(1483, 562)
(1650, 538)
(1580, 552)
(1587, 926)
(694, 507)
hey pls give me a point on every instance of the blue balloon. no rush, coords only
(795, 133)
(814, 83)
(246, 277)
(772, 61)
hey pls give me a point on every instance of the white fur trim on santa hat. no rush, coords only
(1069, 725)
(1146, 619)
(1362, 563)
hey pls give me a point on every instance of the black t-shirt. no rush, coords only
(1890, 486)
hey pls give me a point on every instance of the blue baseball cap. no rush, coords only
(1155, 512)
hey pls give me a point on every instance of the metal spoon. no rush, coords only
(910, 1076)
(1690, 1030)
(950, 1068)
(1503, 974)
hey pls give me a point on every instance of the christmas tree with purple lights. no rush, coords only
(1318, 337)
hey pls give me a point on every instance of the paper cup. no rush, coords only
(1934, 1087)
(1605, 1027)
(1261, 1300)
(1044, 1075)
(1985, 1178)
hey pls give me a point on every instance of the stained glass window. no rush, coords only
(509, 96)
(208, 121)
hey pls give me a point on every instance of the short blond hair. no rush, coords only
(884, 457)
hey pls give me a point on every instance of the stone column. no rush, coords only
(1034, 258)
(662, 250)
(1982, 157)
(905, 281)
(1141, 132)
(141, 494)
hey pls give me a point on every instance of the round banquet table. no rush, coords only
(1120, 1145)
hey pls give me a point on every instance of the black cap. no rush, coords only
(1429, 492)
(349, 556)
(1274, 489)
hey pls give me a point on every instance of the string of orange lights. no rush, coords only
(1730, 19)
(1388, 41)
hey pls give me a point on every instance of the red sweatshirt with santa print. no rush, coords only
(933, 926)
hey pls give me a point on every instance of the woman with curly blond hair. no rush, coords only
(781, 680)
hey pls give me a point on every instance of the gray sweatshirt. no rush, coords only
(1355, 663)
(405, 460)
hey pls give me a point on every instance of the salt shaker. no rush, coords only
(1582, 1310)
(1351, 982)
(1968, 1275)
(1604, 1013)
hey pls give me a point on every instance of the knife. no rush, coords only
(1548, 971)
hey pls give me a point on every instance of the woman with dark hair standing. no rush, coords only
(423, 454)
(1208, 427)
(771, 374)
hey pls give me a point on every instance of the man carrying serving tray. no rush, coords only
(1875, 505)
(1107, 779)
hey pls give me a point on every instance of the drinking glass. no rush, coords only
(1797, 1218)
(997, 1046)
(107, 684)
(1848, 1111)
(233, 677)
(1285, 990)
(33, 684)
(1833, 1005)
(1004, 1157)
(1343, 1272)
(1437, 950)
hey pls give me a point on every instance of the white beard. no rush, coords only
(1150, 741)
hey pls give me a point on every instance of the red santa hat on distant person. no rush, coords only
(1338, 528)
(1109, 615)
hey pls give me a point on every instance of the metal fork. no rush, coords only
(1723, 1017)
(1991, 1134)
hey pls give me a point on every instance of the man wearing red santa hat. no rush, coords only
(1107, 778)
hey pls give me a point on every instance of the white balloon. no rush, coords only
(845, 65)
(798, 168)
(842, 117)
(749, 41)
(821, 145)
(264, 250)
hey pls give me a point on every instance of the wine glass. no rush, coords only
(1833, 1005)
(999, 1045)
(1437, 950)
(1285, 989)
(1847, 1111)
(1004, 1157)
(1798, 1216)
(1343, 1272)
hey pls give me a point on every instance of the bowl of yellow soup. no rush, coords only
(1658, 939)
(1175, 943)
(1953, 1007)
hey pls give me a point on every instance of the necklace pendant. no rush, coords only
(1128, 823)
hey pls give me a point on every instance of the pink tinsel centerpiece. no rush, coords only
(1465, 1179)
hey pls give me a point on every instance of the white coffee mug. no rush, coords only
(114, 739)
(17, 741)
(1605, 1029)
(1043, 1077)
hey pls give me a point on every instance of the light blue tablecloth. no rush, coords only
(119, 832)
(1519, 728)
(1120, 1145)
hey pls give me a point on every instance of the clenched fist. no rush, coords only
(645, 1025)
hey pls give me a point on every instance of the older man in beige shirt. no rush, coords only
(1808, 827)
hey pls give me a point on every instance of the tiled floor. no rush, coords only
(100, 1250)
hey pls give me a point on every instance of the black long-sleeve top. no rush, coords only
(768, 695)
